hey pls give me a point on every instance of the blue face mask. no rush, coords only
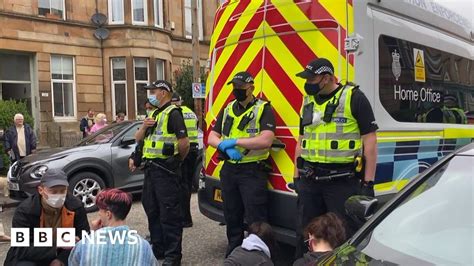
(153, 100)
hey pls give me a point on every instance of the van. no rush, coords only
(412, 59)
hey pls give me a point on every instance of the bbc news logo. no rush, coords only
(66, 237)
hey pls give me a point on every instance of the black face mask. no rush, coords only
(312, 89)
(239, 94)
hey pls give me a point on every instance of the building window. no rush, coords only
(51, 8)
(158, 13)
(160, 69)
(119, 85)
(62, 80)
(139, 12)
(140, 66)
(116, 12)
(188, 19)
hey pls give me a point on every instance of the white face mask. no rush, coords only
(56, 200)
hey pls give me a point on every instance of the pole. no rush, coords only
(196, 64)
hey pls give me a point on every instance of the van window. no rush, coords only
(425, 85)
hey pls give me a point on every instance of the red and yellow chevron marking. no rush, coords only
(274, 40)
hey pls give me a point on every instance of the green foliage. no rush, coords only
(183, 81)
(8, 109)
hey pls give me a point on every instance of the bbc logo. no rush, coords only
(43, 237)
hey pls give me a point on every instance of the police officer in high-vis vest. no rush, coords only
(243, 134)
(189, 163)
(165, 146)
(336, 151)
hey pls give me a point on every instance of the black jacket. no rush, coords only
(241, 256)
(309, 258)
(11, 138)
(27, 214)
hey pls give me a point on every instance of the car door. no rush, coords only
(123, 177)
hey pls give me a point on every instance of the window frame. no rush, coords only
(50, 6)
(200, 19)
(158, 4)
(145, 14)
(135, 82)
(109, 7)
(118, 82)
(73, 82)
(164, 65)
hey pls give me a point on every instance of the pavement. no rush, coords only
(203, 244)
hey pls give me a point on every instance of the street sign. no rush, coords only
(199, 90)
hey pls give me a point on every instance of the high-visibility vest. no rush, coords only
(252, 129)
(337, 141)
(154, 143)
(190, 120)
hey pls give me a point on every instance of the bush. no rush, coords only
(8, 109)
(183, 81)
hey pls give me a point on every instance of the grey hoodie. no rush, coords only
(252, 252)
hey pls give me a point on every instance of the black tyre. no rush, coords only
(85, 186)
(197, 174)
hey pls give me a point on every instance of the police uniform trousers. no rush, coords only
(187, 170)
(161, 199)
(245, 194)
(316, 198)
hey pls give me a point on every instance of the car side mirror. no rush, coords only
(361, 208)
(127, 142)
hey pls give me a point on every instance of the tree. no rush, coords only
(183, 81)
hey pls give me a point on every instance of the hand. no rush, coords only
(227, 144)
(56, 262)
(234, 154)
(367, 188)
(96, 224)
(148, 122)
(131, 165)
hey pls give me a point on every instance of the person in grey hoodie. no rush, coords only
(256, 249)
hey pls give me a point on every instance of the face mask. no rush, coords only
(312, 89)
(56, 200)
(240, 95)
(153, 100)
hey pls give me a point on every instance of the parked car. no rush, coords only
(97, 162)
(429, 222)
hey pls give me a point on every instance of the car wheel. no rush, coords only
(85, 186)
(197, 175)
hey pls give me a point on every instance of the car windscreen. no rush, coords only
(433, 225)
(105, 135)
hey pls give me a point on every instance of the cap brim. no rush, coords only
(149, 87)
(53, 183)
(236, 82)
(306, 74)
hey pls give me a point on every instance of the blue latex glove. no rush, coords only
(227, 144)
(234, 154)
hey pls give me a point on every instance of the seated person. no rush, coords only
(256, 249)
(51, 207)
(114, 206)
(325, 233)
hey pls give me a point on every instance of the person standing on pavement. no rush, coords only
(86, 123)
(20, 140)
(51, 207)
(243, 134)
(166, 144)
(189, 163)
(337, 144)
(100, 122)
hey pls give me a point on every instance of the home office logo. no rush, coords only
(66, 237)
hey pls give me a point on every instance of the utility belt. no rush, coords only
(170, 165)
(264, 165)
(316, 172)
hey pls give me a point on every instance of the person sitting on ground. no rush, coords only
(114, 206)
(50, 207)
(256, 249)
(100, 122)
(324, 233)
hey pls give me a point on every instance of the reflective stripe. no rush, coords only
(153, 151)
(334, 136)
(337, 153)
(161, 138)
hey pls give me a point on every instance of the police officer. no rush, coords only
(189, 163)
(243, 134)
(336, 125)
(165, 145)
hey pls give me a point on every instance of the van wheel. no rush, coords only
(197, 175)
(85, 186)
